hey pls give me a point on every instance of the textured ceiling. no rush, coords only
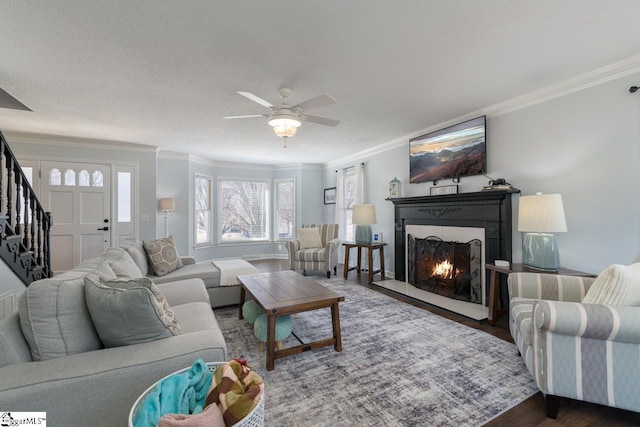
(164, 73)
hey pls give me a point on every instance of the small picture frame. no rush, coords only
(443, 189)
(330, 196)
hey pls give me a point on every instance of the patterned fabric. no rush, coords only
(163, 256)
(236, 389)
(316, 259)
(587, 352)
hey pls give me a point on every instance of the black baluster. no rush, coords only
(18, 180)
(39, 249)
(32, 201)
(47, 241)
(9, 165)
(26, 195)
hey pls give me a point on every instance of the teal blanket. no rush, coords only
(182, 393)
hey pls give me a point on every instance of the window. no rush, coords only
(349, 196)
(203, 211)
(55, 177)
(70, 177)
(244, 210)
(285, 190)
(124, 196)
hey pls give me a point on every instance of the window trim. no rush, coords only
(210, 233)
(269, 213)
(276, 235)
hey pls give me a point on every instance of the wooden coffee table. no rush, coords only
(287, 292)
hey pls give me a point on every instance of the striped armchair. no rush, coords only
(580, 351)
(316, 259)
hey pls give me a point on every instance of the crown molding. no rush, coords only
(593, 78)
(74, 142)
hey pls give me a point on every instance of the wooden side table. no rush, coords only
(494, 285)
(370, 248)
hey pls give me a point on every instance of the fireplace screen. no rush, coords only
(450, 269)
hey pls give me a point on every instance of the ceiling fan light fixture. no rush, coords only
(284, 126)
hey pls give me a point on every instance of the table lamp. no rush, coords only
(167, 205)
(540, 216)
(363, 217)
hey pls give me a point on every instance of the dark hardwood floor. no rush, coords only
(531, 412)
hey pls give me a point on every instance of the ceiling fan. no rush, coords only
(286, 119)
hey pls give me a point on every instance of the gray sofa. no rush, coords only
(64, 370)
(220, 296)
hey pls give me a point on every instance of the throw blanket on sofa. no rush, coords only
(182, 393)
(230, 269)
(236, 389)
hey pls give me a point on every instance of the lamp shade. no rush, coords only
(167, 204)
(284, 125)
(364, 214)
(541, 213)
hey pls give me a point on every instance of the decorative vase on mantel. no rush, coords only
(394, 188)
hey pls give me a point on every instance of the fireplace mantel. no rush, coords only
(490, 210)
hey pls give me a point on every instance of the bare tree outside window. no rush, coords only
(349, 186)
(203, 211)
(244, 210)
(285, 208)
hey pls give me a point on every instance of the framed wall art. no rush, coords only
(330, 196)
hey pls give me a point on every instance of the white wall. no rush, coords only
(584, 145)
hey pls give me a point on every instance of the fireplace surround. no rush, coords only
(487, 210)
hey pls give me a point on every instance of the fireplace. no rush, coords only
(447, 268)
(459, 218)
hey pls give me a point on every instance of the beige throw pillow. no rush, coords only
(309, 238)
(616, 285)
(163, 256)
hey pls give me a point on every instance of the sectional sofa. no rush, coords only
(52, 355)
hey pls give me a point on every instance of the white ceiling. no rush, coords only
(165, 72)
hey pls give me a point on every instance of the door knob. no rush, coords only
(104, 228)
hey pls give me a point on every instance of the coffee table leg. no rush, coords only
(335, 318)
(271, 341)
(242, 297)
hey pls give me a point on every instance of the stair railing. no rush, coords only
(24, 225)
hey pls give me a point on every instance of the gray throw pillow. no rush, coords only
(54, 318)
(129, 312)
(163, 255)
(122, 264)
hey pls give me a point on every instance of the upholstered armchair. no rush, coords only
(578, 350)
(316, 249)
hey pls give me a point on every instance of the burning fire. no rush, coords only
(443, 269)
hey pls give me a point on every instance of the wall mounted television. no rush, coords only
(453, 152)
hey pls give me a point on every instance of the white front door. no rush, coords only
(78, 196)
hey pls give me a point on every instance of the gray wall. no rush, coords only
(584, 145)
(176, 179)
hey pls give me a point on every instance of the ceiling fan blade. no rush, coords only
(8, 101)
(245, 116)
(257, 99)
(320, 120)
(313, 103)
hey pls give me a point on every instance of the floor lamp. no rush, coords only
(167, 205)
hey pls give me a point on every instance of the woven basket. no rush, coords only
(255, 418)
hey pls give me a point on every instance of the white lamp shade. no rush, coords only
(364, 214)
(541, 213)
(167, 204)
(284, 125)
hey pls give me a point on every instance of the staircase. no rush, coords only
(24, 225)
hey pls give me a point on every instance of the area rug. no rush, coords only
(400, 366)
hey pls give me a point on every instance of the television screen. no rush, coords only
(452, 152)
